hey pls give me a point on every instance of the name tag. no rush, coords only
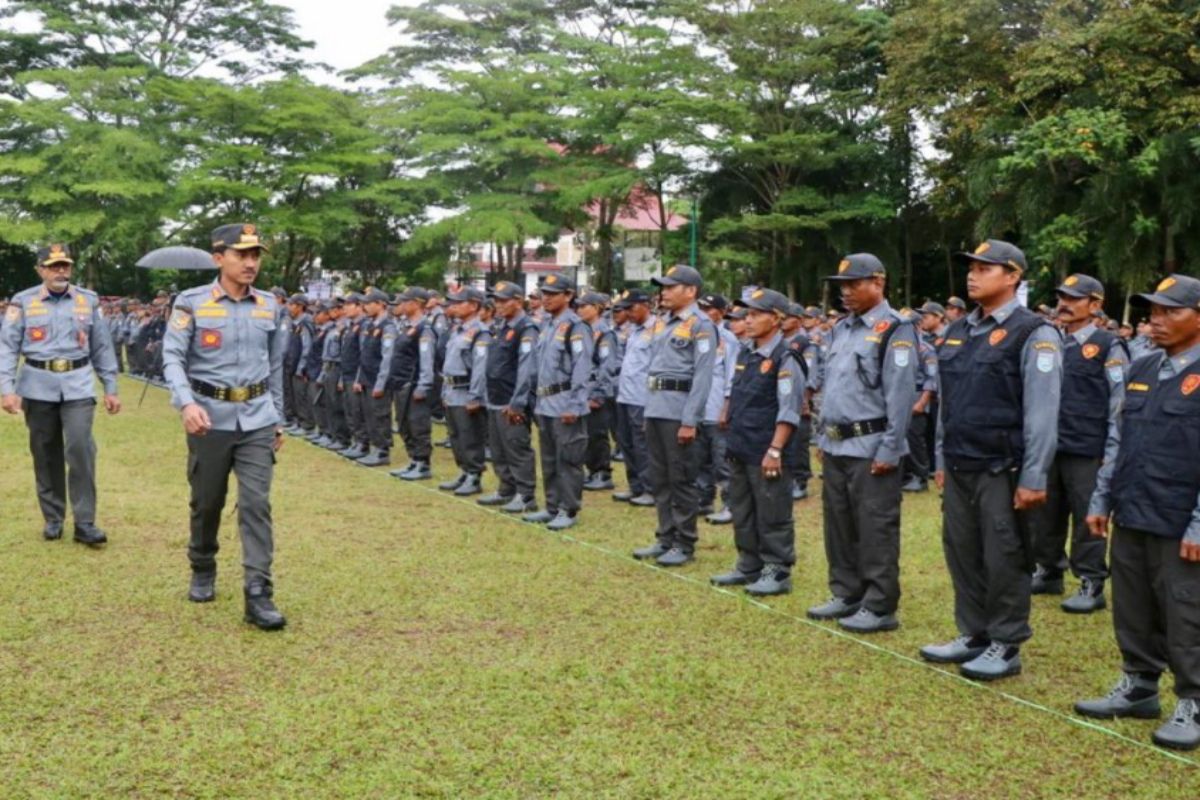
(1138, 387)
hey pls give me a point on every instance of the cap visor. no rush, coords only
(664, 281)
(262, 247)
(1154, 299)
(1069, 292)
(50, 262)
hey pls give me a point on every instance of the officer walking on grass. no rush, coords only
(1000, 378)
(58, 330)
(680, 374)
(1094, 365)
(1150, 492)
(761, 415)
(223, 361)
(870, 375)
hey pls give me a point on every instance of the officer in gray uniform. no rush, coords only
(714, 467)
(564, 367)
(679, 376)
(413, 378)
(330, 378)
(352, 402)
(602, 399)
(464, 390)
(1094, 366)
(223, 360)
(1150, 492)
(58, 330)
(631, 398)
(762, 413)
(999, 382)
(376, 337)
(302, 334)
(511, 360)
(870, 375)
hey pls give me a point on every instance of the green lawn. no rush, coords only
(435, 649)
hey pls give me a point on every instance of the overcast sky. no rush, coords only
(346, 32)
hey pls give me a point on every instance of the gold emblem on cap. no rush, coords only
(553, 279)
(757, 294)
(983, 248)
(672, 270)
(1166, 283)
(56, 251)
(1071, 281)
(843, 265)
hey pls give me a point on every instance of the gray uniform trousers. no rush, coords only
(377, 419)
(673, 472)
(320, 406)
(988, 555)
(631, 433)
(563, 448)
(415, 421)
(303, 403)
(714, 467)
(512, 456)
(1156, 608)
(599, 429)
(468, 436)
(763, 528)
(336, 408)
(289, 396)
(356, 419)
(802, 447)
(916, 463)
(1069, 487)
(64, 455)
(211, 457)
(862, 532)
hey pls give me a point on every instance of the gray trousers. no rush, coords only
(318, 401)
(1069, 487)
(673, 471)
(289, 394)
(562, 448)
(336, 411)
(988, 555)
(763, 528)
(801, 444)
(862, 532)
(631, 433)
(415, 421)
(599, 430)
(211, 457)
(303, 403)
(512, 456)
(356, 419)
(64, 457)
(916, 463)
(377, 417)
(1156, 608)
(714, 467)
(468, 437)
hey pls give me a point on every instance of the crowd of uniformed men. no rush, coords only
(1049, 432)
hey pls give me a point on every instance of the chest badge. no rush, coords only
(37, 334)
(882, 326)
(210, 339)
(1190, 384)
(765, 367)
(508, 337)
(1091, 350)
(997, 336)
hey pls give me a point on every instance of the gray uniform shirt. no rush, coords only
(635, 367)
(1101, 504)
(607, 361)
(724, 368)
(230, 343)
(685, 348)
(861, 384)
(463, 350)
(45, 327)
(1041, 376)
(564, 355)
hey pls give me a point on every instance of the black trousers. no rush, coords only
(563, 448)
(1069, 487)
(415, 422)
(763, 528)
(631, 433)
(801, 448)
(714, 467)
(289, 391)
(336, 407)
(916, 463)
(673, 472)
(512, 455)
(377, 417)
(1156, 608)
(987, 550)
(862, 532)
(64, 458)
(356, 412)
(302, 399)
(599, 429)
(468, 437)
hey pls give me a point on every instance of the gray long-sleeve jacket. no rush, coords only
(684, 348)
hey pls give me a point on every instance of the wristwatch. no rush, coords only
(775, 453)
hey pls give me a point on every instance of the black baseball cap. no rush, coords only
(767, 300)
(238, 236)
(507, 290)
(858, 266)
(1080, 285)
(998, 251)
(466, 295)
(713, 300)
(1173, 291)
(956, 302)
(54, 254)
(597, 299)
(631, 297)
(557, 284)
(680, 274)
(931, 307)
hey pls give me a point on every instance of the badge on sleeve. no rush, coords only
(703, 345)
(180, 320)
(604, 351)
(577, 346)
(526, 345)
(900, 356)
(13, 314)
(785, 387)
(1045, 361)
(1116, 374)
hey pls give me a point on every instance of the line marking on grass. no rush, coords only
(625, 558)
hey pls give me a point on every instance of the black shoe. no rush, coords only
(91, 536)
(1046, 581)
(260, 608)
(52, 532)
(203, 588)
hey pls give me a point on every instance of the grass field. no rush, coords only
(436, 649)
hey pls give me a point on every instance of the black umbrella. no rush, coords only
(180, 258)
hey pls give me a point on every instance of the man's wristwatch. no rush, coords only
(775, 453)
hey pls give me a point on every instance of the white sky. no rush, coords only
(346, 33)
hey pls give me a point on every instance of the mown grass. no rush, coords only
(438, 650)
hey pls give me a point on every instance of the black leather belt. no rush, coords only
(457, 381)
(58, 364)
(552, 389)
(853, 430)
(230, 394)
(668, 385)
